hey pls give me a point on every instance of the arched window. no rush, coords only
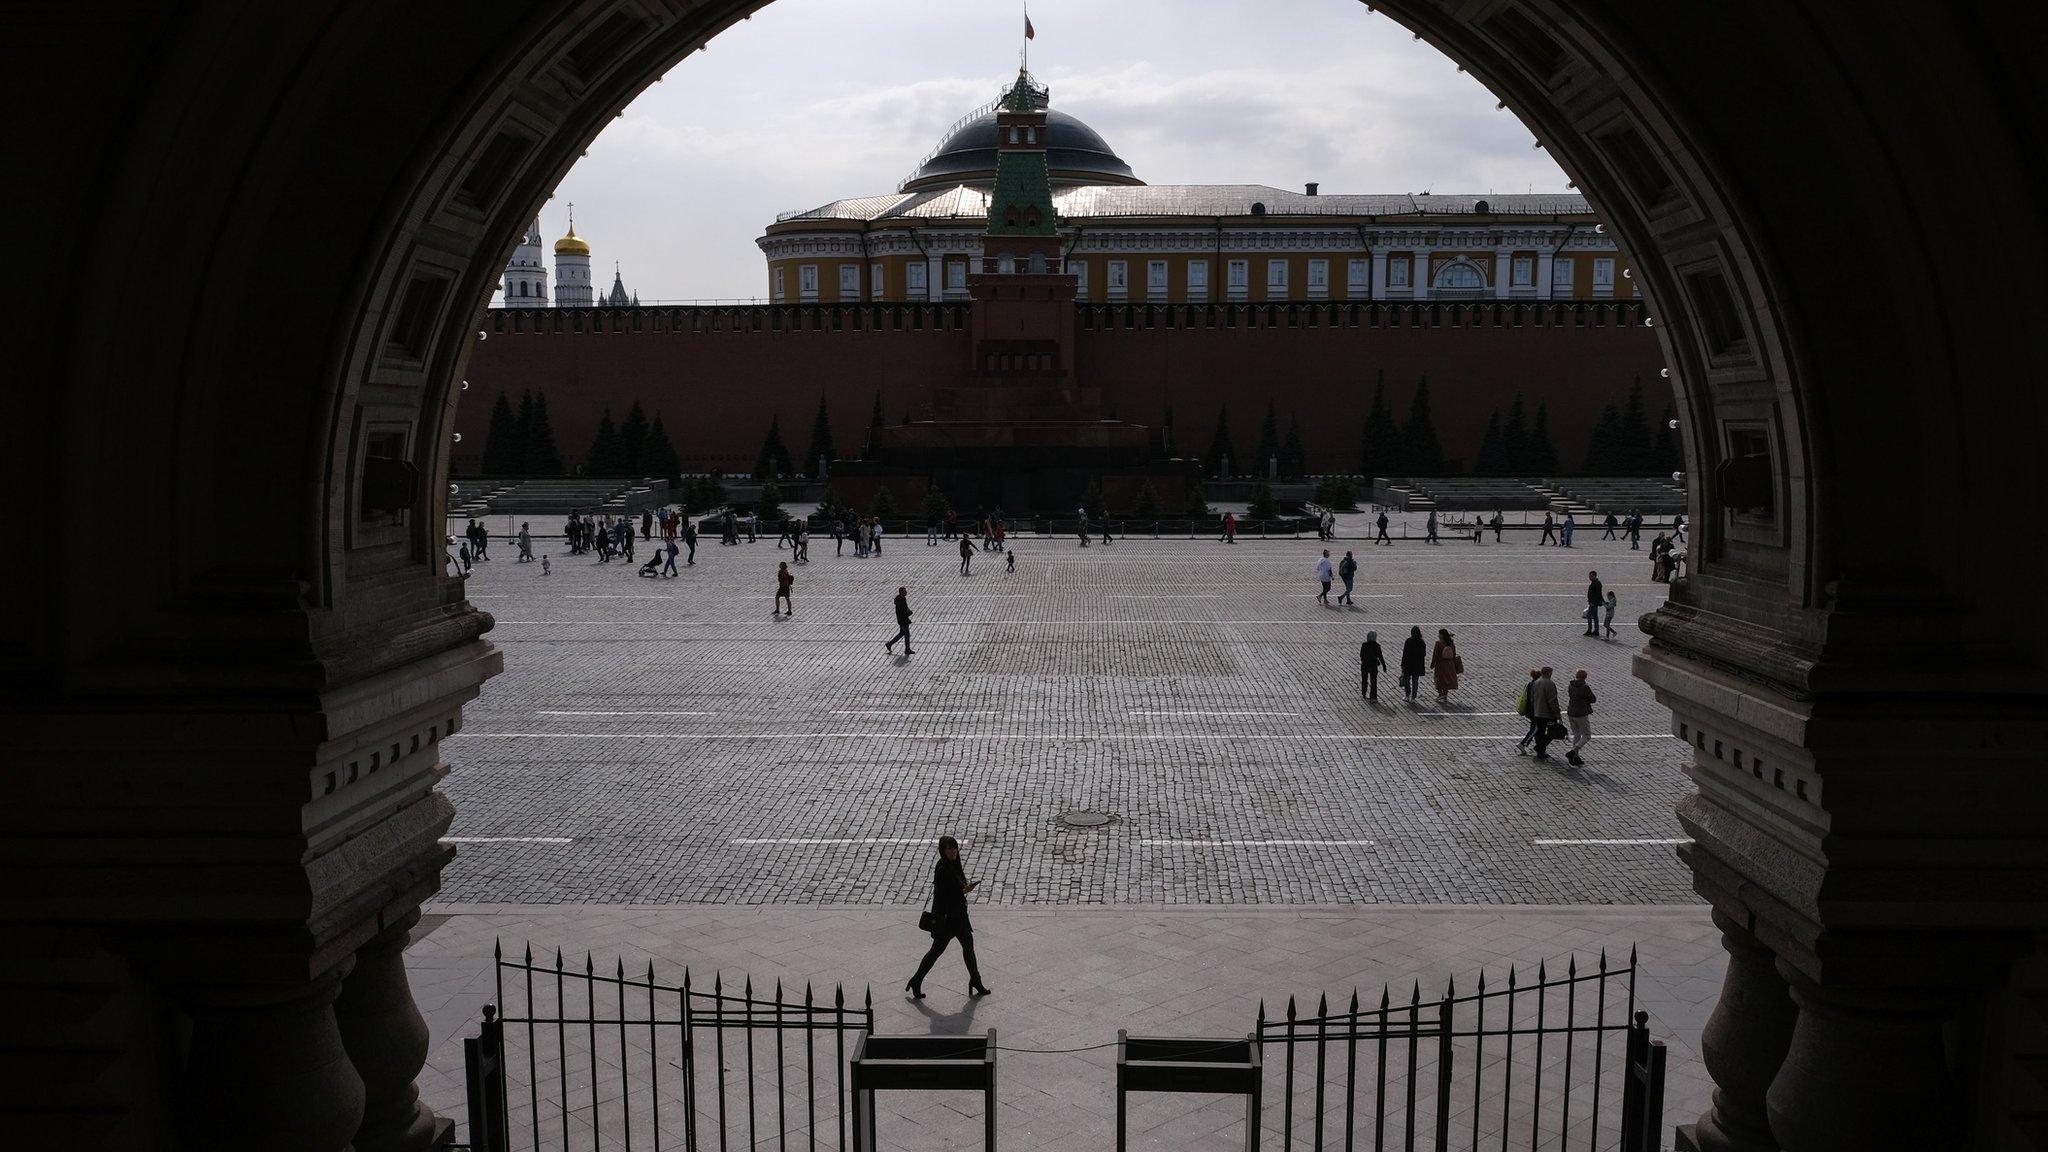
(1006, 263)
(1458, 274)
(1037, 263)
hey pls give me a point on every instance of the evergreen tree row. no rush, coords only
(1623, 443)
(634, 448)
(1514, 448)
(521, 443)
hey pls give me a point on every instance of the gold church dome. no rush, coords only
(571, 245)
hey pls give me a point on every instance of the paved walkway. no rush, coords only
(1070, 977)
(661, 740)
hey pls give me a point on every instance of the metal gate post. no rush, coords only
(483, 1064)
(1179, 1064)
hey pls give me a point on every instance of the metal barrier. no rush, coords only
(923, 1064)
(1205, 1067)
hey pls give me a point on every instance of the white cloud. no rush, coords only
(813, 100)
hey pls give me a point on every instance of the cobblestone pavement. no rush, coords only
(1069, 978)
(657, 741)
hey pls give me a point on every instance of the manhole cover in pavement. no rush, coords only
(1082, 818)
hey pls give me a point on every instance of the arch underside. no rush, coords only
(339, 185)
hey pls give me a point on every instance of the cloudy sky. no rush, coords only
(814, 100)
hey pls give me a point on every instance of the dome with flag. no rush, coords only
(1075, 153)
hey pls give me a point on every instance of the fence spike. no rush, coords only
(1354, 1004)
(529, 952)
(686, 988)
(839, 996)
(1603, 961)
(1451, 989)
(1541, 975)
(1290, 1009)
(1511, 978)
(1482, 981)
(1323, 1004)
(1631, 955)
(1415, 997)
(498, 949)
(717, 983)
(650, 971)
(748, 989)
(1571, 967)
(807, 995)
(1384, 999)
(589, 965)
(558, 961)
(871, 998)
(1262, 1013)
(622, 969)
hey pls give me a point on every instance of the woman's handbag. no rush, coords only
(928, 920)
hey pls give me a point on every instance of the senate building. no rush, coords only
(1127, 241)
(1189, 309)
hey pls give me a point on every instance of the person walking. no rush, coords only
(967, 551)
(902, 624)
(1564, 533)
(525, 543)
(1081, 524)
(931, 531)
(1382, 537)
(1347, 571)
(546, 565)
(1578, 715)
(1323, 573)
(1371, 662)
(1543, 711)
(1446, 665)
(1230, 527)
(1432, 529)
(1549, 530)
(875, 536)
(783, 579)
(1678, 528)
(800, 544)
(1596, 599)
(669, 548)
(1635, 530)
(838, 536)
(1009, 560)
(948, 920)
(1497, 521)
(1414, 657)
(1525, 707)
(1612, 524)
(1613, 602)
(690, 540)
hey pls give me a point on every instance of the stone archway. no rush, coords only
(226, 814)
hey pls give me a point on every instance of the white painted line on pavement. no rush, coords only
(508, 839)
(1143, 712)
(1346, 736)
(545, 712)
(838, 840)
(908, 712)
(1455, 715)
(1081, 623)
(615, 596)
(1253, 843)
(1604, 843)
(1523, 595)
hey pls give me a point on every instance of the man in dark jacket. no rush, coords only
(1543, 710)
(1371, 662)
(1596, 598)
(902, 624)
(1578, 713)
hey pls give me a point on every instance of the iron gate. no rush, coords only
(1427, 1081)
(582, 1059)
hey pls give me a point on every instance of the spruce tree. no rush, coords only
(935, 505)
(633, 440)
(1166, 428)
(1263, 506)
(821, 438)
(773, 459)
(659, 457)
(1603, 445)
(1668, 454)
(603, 457)
(1542, 453)
(768, 506)
(1419, 443)
(1146, 506)
(1492, 459)
(874, 424)
(1293, 454)
(502, 449)
(883, 503)
(1220, 450)
(1636, 458)
(1380, 451)
(1514, 439)
(1268, 451)
(542, 458)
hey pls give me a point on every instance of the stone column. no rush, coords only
(1379, 274)
(266, 1069)
(1866, 1070)
(1543, 274)
(387, 1040)
(1743, 1043)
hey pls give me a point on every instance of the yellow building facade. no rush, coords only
(1129, 242)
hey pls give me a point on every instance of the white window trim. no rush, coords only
(1080, 270)
(781, 285)
(877, 273)
(1318, 285)
(1156, 279)
(807, 281)
(913, 276)
(1198, 279)
(1358, 278)
(1276, 277)
(956, 275)
(1603, 287)
(1563, 273)
(849, 281)
(1118, 282)
(1238, 279)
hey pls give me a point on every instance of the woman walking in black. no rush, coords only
(1414, 661)
(950, 887)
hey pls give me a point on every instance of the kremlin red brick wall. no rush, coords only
(716, 390)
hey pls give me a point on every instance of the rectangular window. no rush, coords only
(1155, 279)
(913, 277)
(1398, 271)
(1603, 276)
(807, 281)
(1239, 278)
(780, 290)
(849, 281)
(1358, 278)
(1276, 278)
(1080, 270)
(875, 282)
(956, 275)
(1118, 271)
(1524, 272)
(1318, 277)
(1561, 277)
(1198, 279)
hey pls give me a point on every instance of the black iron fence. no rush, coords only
(570, 1059)
(1520, 1064)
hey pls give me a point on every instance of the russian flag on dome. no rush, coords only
(1029, 32)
